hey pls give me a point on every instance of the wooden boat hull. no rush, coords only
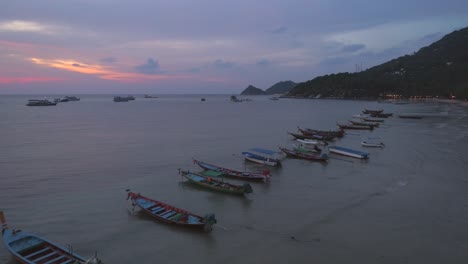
(354, 127)
(369, 124)
(261, 160)
(170, 214)
(216, 185)
(235, 174)
(349, 152)
(312, 157)
(372, 145)
(410, 116)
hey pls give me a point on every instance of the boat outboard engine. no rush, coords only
(247, 188)
(210, 220)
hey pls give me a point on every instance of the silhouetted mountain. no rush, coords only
(252, 90)
(281, 87)
(440, 69)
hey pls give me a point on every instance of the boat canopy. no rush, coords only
(264, 151)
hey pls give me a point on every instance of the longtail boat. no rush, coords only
(311, 142)
(330, 133)
(217, 185)
(371, 112)
(306, 148)
(265, 160)
(264, 176)
(381, 115)
(316, 137)
(372, 144)
(28, 248)
(302, 155)
(354, 127)
(358, 123)
(170, 214)
(349, 152)
(372, 119)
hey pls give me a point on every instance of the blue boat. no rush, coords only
(32, 249)
(258, 158)
(349, 152)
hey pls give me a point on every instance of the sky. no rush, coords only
(205, 46)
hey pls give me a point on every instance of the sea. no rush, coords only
(65, 169)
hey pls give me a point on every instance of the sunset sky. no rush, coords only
(205, 46)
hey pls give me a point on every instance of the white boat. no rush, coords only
(360, 116)
(372, 144)
(268, 160)
(349, 152)
(311, 142)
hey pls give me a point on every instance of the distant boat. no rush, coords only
(264, 157)
(411, 116)
(130, 97)
(203, 99)
(349, 152)
(382, 115)
(40, 102)
(170, 214)
(371, 112)
(312, 142)
(150, 96)
(243, 175)
(31, 249)
(355, 127)
(217, 185)
(72, 98)
(120, 99)
(358, 123)
(372, 144)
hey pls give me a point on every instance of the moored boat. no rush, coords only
(40, 102)
(265, 175)
(308, 156)
(312, 142)
(372, 144)
(265, 160)
(306, 148)
(32, 249)
(323, 133)
(120, 99)
(370, 124)
(316, 137)
(150, 96)
(382, 115)
(349, 152)
(217, 185)
(372, 112)
(170, 214)
(72, 98)
(410, 116)
(342, 126)
(372, 119)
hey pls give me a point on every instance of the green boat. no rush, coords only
(206, 179)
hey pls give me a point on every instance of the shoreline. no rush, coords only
(456, 102)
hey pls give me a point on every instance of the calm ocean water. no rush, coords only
(64, 171)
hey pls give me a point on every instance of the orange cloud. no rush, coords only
(28, 79)
(103, 72)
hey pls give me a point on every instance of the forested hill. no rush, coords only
(440, 69)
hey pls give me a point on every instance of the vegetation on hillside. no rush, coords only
(439, 69)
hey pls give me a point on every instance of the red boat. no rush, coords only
(170, 214)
